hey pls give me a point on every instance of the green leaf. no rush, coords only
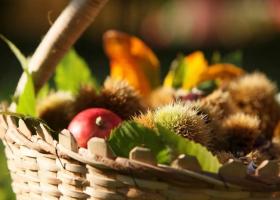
(26, 101)
(181, 145)
(207, 86)
(5, 180)
(72, 72)
(164, 144)
(129, 135)
(216, 57)
(165, 156)
(235, 58)
(179, 67)
(21, 58)
(44, 91)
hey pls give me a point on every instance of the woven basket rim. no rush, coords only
(13, 129)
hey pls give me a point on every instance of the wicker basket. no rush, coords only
(43, 168)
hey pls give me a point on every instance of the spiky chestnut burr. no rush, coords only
(185, 120)
(87, 97)
(57, 110)
(255, 94)
(146, 119)
(209, 114)
(119, 97)
(160, 97)
(239, 135)
(276, 133)
(212, 115)
(220, 101)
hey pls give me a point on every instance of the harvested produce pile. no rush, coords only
(207, 132)
(215, 112)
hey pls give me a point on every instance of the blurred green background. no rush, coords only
(169, 27)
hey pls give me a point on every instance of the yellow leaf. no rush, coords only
(132, 60)
(194, 70)
(168, 81)
(196, 65)
(224, 72)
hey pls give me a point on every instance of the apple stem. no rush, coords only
(68, 27)
(99, 122)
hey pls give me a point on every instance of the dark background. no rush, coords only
(167, 26)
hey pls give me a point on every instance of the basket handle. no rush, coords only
(68, 27)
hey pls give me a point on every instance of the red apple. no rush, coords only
(93, 122)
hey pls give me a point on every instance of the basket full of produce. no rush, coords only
(209, 130)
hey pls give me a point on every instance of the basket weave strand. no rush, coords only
(43, 168)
